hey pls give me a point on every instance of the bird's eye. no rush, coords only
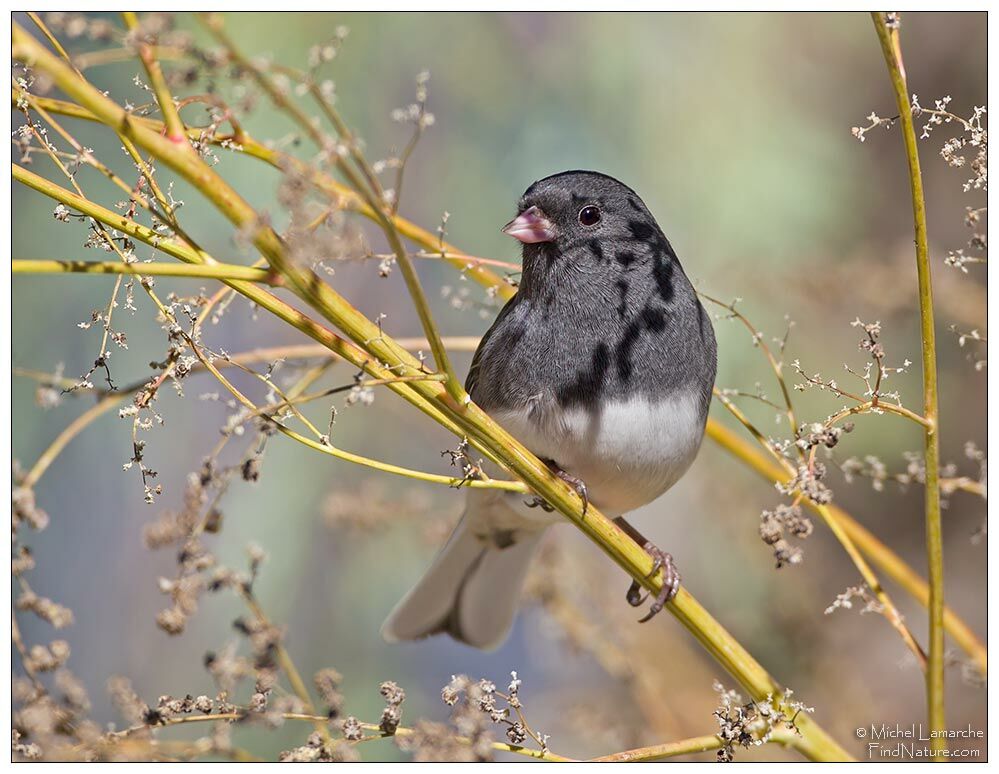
(589, 216)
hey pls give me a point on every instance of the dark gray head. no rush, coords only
(604, 307)
(587, 226)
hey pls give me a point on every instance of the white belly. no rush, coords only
(628, 453)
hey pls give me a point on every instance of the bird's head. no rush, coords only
(584, 222)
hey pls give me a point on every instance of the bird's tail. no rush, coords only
(470, 592)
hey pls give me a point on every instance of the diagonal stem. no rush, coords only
(887, 560)
(344, 197)
(890, 612)
(171, 116)
(453, 385)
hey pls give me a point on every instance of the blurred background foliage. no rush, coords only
(735, 129)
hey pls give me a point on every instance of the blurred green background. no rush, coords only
(735, 129)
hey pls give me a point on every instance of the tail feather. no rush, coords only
(471, 591)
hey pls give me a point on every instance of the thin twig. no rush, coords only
(887, 560)
(453, 385)
(660, 752)
(140, 269)
(890, 611)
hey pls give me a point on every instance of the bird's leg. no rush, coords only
(660, 561)
(574, 481)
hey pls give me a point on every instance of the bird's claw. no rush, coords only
(671, 583)
(537, 502)
(576, 483)
(635, 596)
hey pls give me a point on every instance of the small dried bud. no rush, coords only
(251, 469)
(390, 720)
(351, 728)
(172, 620)
(392, 693)
(516, 733)
(454, 689)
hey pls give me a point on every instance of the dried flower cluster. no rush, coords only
(784, 520)
(754, 723)
(846, 600)
(476, 707)
(975, 137)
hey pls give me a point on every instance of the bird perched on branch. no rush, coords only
(602, 365)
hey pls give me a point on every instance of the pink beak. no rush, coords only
(530, 226)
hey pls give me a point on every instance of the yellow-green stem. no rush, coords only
(887, 560)
(109, 400)
(889, 610)
(212, 271)
(453, 385)
(344, 196)
(660, 752)
(175, 127)
(327, 448)
(265, 300)
(891, 48)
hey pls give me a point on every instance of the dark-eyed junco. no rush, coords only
(602, 365)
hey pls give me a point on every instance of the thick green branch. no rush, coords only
(891, 48)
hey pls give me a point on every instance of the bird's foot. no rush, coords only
(536, 502)
(671, 583)
(575, 482)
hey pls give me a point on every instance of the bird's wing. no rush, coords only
(473, 371)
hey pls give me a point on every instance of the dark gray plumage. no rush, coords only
(602, 312)
(602, 365)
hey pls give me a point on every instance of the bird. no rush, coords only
(602, 364)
